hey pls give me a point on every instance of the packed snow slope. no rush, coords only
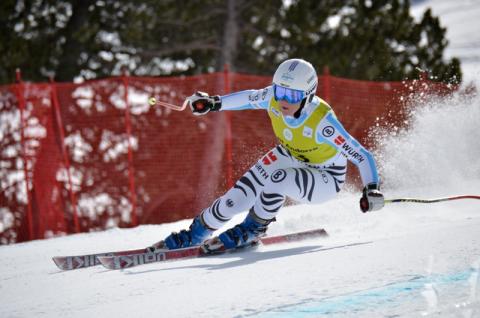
(406, 260)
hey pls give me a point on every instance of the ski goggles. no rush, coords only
(293, 96)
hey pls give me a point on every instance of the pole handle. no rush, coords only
(152, 101)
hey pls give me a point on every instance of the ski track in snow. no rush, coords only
(407, 260)
(380, 264)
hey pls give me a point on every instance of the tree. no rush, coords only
(370, 40)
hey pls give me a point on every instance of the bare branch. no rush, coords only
(244, 5)
(198, 45)
(251, 29)
(212, 14)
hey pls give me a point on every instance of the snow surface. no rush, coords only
(406, 260)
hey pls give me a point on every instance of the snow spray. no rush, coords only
(439, 147)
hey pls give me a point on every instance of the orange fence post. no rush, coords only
(21, 103)
(424, 82)
(326, 84)
(228, 129)
(131, 171)
(58, 117)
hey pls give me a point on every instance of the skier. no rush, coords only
(308, 165)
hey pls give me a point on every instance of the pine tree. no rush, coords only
(369, 40)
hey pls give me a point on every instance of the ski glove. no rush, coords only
(201, 103)
(372, 198)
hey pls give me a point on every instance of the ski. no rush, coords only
(135, 259)
(82, 261)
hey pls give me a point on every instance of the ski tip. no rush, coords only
(61, 262)
(322, 232)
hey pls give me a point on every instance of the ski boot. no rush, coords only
(195, 235)
(244, 234)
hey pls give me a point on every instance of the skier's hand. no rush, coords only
(372, 198)
(201, 103)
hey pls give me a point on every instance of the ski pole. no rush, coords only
(460, 197)
(152, 101)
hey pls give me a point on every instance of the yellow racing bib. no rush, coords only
(300, 140)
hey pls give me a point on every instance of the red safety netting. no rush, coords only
(89, 156)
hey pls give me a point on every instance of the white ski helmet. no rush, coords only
(297, 74)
